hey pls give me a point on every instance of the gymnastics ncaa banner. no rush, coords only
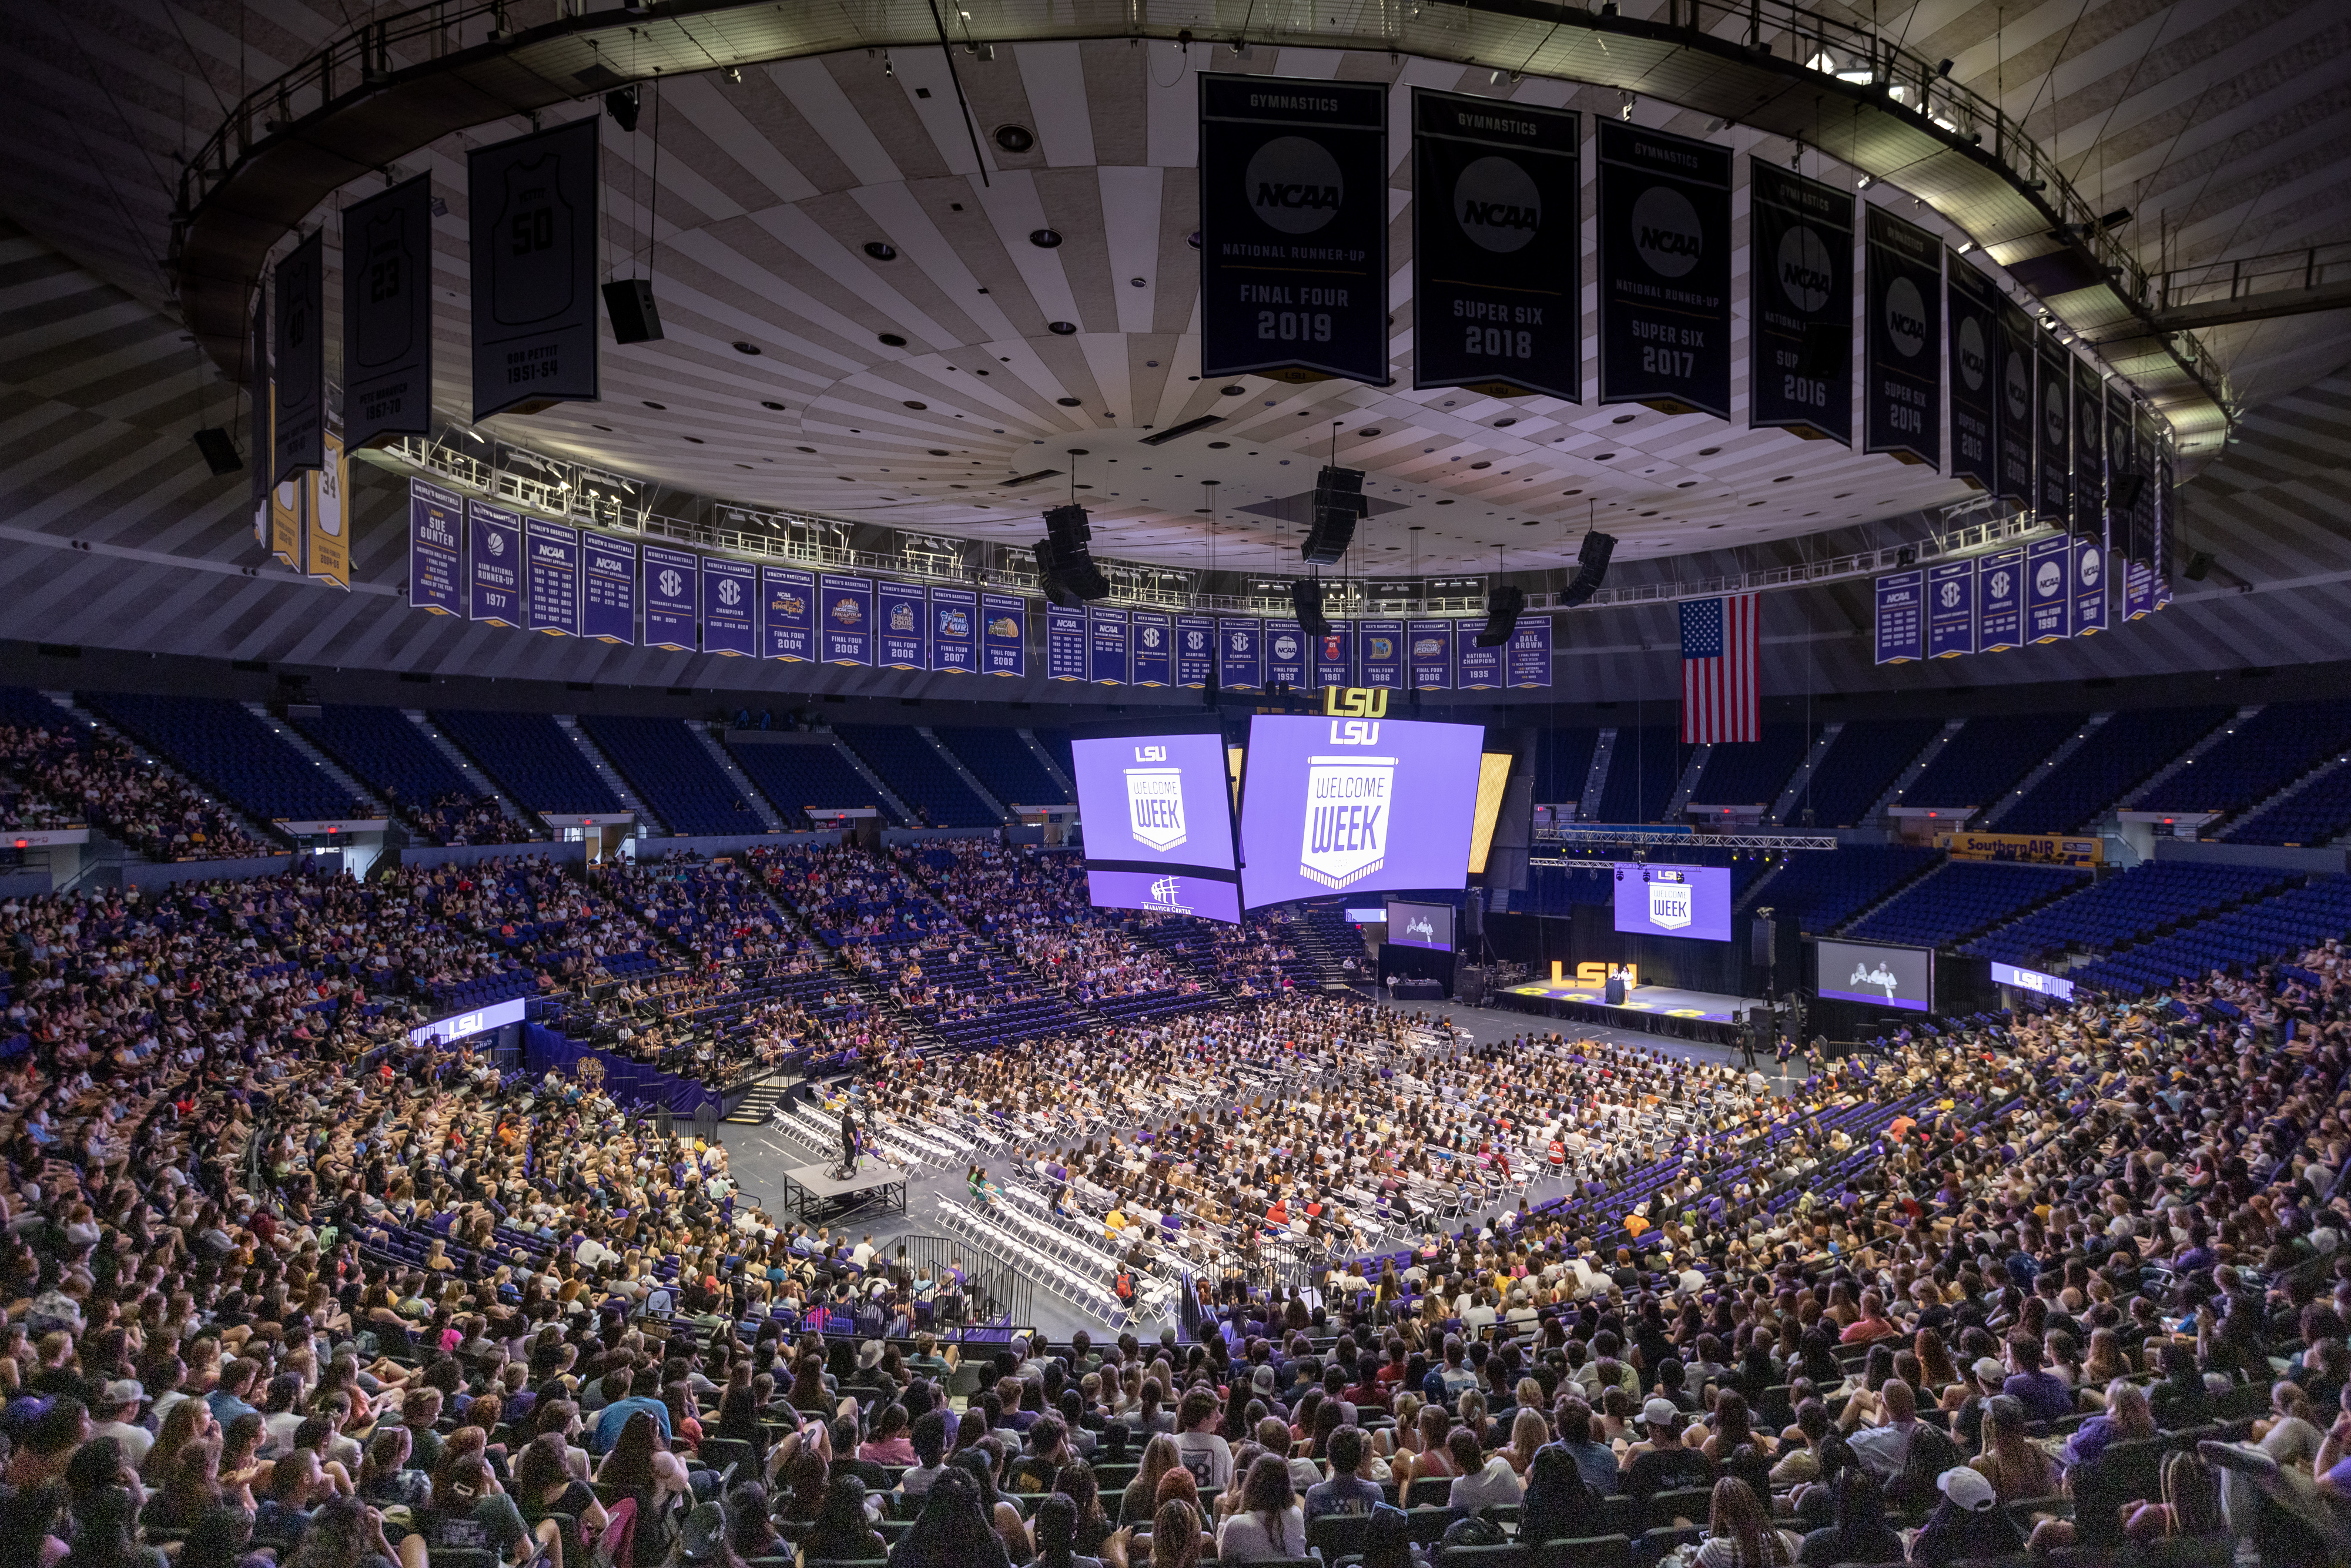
(1334, 655)
(845, 619)
(531, 203)
(1973, 302)
(1529, 653)
(1902, 381)
(2000, 601)
(2057, 437)
(730, 607)
(901, 609)
(1429, 654)
(2018, 377)
(1195, 651)
(608, 588)
(1004, 635)
(551, 587)
(1293, 227)
(299, 427)
(787, 614)
(1240, 655)
(1951, 609)
(1105, 645)
(2089, 452)
(494, 571)
(1901, 620)
(671, 586)
(1379, 654)
(2048, 589)
(2122, 464)
(326, 523)
(435, 548)
(955, 630)
(387, 314)
(1475, 669)
(1155, 651)
(1286, 657)
(1799, 304)
(2090, 586)
(1065, 642)
(1665, 271)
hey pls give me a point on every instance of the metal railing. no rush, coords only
(995, 1289)
(2218, 282)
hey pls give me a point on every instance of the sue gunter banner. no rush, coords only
(1801, 304)
(1665, 271)
(435, 550)
(532, 205)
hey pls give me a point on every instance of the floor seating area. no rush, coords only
(665, 764)
(530, 756)
(221, 744)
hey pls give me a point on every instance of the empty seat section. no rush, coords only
(222, 744)
(798, 777)
(918, 775)
(1981, 764)
(1003, 763)
(2127, 908)
(26, 708)
(1056, 743)
(2119, 755)
(1859, 765)
(1959, 898)
(1753, 775)
(2258, 756)
(1646, 765)
(672, 775)
(1562, 763)
(531, 757)
(2312, 814)
(1824, 888)
(2288, 922)
(386, 750)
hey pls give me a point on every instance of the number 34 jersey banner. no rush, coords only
(533, 217)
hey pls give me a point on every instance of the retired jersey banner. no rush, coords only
(285, 521)
(1155, 649)
(1475, 669)
(1902, 359)
(1497, 247)
(672, 590)
(1240, 655)
(2019, 431)
(1800, 284)
(844, 608)
(1901, 620)
(787, 614)
(299, 433)
(1529, 661)
(531, 203)
(2090, 583)
(1105, 645)
(1379, 654)
(955, 630)
(387, 314)
(608, 588)
(260, 405)
(1065, 642)
(2122, 461)
(494, 564)
(2056, 439)
(551, 583)
(1334, 655)
(1195, 651)
(326, 526)
(730, 607)
(1004, 635)
(1951, 609)
(1293, 227)
(2089, 451)
(2049, 588)
(1429, 654)
(435, 550)
(901, 642)
(1973, 303)
(1665, 271)
(1999, 602)
(1287, 662)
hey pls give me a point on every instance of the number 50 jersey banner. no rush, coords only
(533, 203)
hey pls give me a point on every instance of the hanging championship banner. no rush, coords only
(1105, 645)
(550, 582)
(1999, 602)
(671, 586)
(1004, 635)
(1901, 621)
(1529, 663)
(494, 571)
(1286, 655)
(1665, 271)
(259, 403)
(2049, 588)
(1294, 228)
(1800, 285)
(2089, 451)
(387, 314)
(1497, 247)
(2057, 458)
(1240, 655)
(730, 607)
(1065, 642)
(1973, 302)
(2090, 584)
(1195, 651)
(608, 588)
(1902, 336)
(2018, 374)
(2121, 463)
(845, 619)
(532, 203)
(901, 642)
(1429, 654)
(1334, 655)
(2149, 540)
(1155, 649)
(1475, 669)
(787, 614)
(285, 522)
(1380, 654)
(435, 550)
(955, 630)
(327, 539)
(300, 427)
(1951, 609)
(2138, 589)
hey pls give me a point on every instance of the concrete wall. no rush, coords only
(2277, 855)
(572, 853)
(728, 843)
(138, 874)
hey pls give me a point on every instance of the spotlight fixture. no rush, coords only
(1590, 570)
(1338, 503)
(1306, 603)
(1502, 608)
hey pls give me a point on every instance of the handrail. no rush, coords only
(2201, 283)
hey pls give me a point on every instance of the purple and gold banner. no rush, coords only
(550, 588)
(845, 619)
(901, 641)
(435, 550)
(1154, 663)
(494, 564)
(1951, 609)
(1240, 655)
(1529, 653)
(1475, 669)
(787, 614)
(2049, 588)
(955, 630)
(1334, 655)
(1901, 619)
(1999, 602)
(608, 588)
(1004, 635)
(1286, 655)
(1065, 642)
(730, 607)
(1429, 654)
(1105, 645)
(1195, 651)
(671, 587)
(2090, 586)
(1379, 654)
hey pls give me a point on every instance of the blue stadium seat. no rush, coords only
(2119, 910)
(1562, 763)
(1959, 898)
(1981, 764)
(904, 761)
(223, 745)
(2315, 814)
(1005, 766)
(386, 750)
(1742, 774)
(1823, 888)
(672, 774)
(2121, 752)
(797, 778)
(1642, 774)
(2258, 756)
(531, 757)
(1859, 765)
(2293, 920)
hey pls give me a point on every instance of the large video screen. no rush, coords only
(1155, 801)
(1900, 978)
(1421, 925)
(1674, 900)
(1167, 893)
(1355, 804)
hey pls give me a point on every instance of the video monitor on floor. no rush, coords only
(1673, 900)
(1355, 805)
(1899, 978)
(1157, 814)
(1421, 925)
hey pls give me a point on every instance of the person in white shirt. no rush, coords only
(1203, 1451)
(116, 1416)
(864, 1253)
(1489, 1483)
(1269, 1524)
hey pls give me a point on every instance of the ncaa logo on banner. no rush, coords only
(1670, 905)
(1347, 801)
(2048, 579)
(1294, 184)
(1496, 205)
(1974, 357)
(2018, 383)
(1154, 803)
(1906, 317)
(1665, 230)
(1804, 276)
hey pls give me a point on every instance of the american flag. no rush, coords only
(1718, 674)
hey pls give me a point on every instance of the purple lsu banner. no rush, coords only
(1240, 655)
(670, 582)
(1379, 654)
(1105, 645)
(1195, 651)
(1334, 655)
(787, 614)
(1154, 660)
(1475, 669)
(608, 588)
(550, 588)
(2090, 586)
(2138, 590)
(1065, 642)
(1004, 635)
(730, 607)
(1529, 652)
(494, 564)
(845, 619)
(901, 642)
(1430, 655)
(2049, 588)
(1951, 609)
(1286, 655)
(435, 548)
(955, 630)
(1999, 602)
(1901, 628)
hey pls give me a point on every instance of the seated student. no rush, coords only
(471, 1511)
(1968, 1522)
(1347, 1493)
(1485, 1481)
(1660, 1462)
(1267, 1523)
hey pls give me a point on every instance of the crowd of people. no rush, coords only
(59, 777)
(460, 818)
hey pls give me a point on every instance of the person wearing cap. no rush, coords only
(116, 1416)
(1662, 1462)
(1968, 1522)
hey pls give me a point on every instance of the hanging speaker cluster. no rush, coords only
(1065, 560)
(1504, 605)
(1591, 569)
(1338, 504)
(1306, 600)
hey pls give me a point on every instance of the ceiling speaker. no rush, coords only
(220, 452)
(2199, 566)
(1591, 569)
(1338, 503)
(1306, 600)
(1502, 609)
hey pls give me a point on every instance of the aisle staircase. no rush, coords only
(759, 1104)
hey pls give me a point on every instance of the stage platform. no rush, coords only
(820, 1194)
(1655, 1010)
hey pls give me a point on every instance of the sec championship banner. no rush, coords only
(1665, 271)
(2055, 461)
(1429, 654)
(900, 642)
(845, 619)
(1799, 304)
(1195, 651)
(2018, 374)
(1004, 635)
(326, 523)
(1294, 228)
(1901, 620)
(1497, 247)
(2049, 588)
(1334, 655)
(1286, 655)
(532, 206)
(1529, 652)
(301, 429)
(671, 587)
(608, 588)
(1902, 357)
(1973, 303)
(955, 630)
(787, 614)
(1379, 654)
(493, 570)
(1105, 645)
(1065, 643)
(387, 314)
(1475, 669)
(550, 584)
(730, 607)
(1155, 649)
(1999, 602)
(1951, 609)
(2091, 586)
(1240, 655)
(435, 550)
(2089, 451)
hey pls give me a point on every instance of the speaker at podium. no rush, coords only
(1615, 991)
